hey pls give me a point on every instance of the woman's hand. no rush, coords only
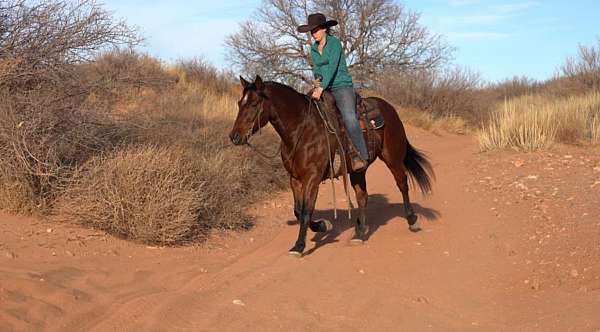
(317, 93)
(316, 83)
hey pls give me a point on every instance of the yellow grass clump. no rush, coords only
(536, 121)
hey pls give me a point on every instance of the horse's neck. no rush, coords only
(288, 109)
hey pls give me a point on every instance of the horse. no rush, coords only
(305, 153)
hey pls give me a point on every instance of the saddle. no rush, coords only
(369, 118)
(368, 115)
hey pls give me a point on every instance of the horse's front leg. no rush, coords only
(308, 198)
(296, 186)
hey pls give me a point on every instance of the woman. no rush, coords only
(331, 73)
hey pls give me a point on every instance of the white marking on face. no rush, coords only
(244, 100)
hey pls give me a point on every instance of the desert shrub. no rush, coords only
(198, 71)
(112, 139)
(147, 194)
(513, 87)
(442, 94)
(45, 130)
(120, 76)
(166, 196)
(582, 72)
(41, 143)
(533, 122)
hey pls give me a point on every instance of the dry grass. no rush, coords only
(435, 124)
(533, 122)
(141, 151)
(147, 194)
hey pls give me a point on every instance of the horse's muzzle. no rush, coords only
(235, 138)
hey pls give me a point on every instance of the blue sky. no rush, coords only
(498, 39)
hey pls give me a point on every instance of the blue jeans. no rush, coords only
(345, 98)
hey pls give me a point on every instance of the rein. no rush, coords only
(343, 162)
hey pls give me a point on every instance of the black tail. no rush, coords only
(419, 169)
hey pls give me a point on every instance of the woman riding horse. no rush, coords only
(331, 73)
(305, 141)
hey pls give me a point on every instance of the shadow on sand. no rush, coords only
(379, 212)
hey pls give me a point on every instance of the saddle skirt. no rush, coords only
(368, 116)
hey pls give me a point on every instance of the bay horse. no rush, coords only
(304, 151)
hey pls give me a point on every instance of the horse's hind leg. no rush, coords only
(399, 172)
(359, 184)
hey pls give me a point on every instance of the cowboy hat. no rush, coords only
(315, 21)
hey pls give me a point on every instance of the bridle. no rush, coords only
(278, 152)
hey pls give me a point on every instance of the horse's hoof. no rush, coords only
(321, 226)
(295, 254)
(357, 242)
(326, 224)
(415, 227)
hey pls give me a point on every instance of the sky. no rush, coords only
(498, 39)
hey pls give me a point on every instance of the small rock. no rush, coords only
(521, 186)
(239, 302)
(53, 253)
(574, 273)
(535, 284)
(10, 255)
(361, 271)
(518, 163)
(419, 243)
(532, 177)
(68, 253)
(203, 270)
(568, 156)
(421, 299)
(49, 230)
(597, 169)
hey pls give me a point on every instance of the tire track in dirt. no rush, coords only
(458, 274)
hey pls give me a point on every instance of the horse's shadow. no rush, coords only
(379, 212)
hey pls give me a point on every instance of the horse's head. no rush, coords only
(251, 115)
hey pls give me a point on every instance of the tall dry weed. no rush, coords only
(533, 122)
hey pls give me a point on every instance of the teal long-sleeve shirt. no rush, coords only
(331, 65)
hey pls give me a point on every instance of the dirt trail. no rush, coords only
(467, 270)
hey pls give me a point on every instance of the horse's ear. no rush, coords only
(244, 82)
(260, 86)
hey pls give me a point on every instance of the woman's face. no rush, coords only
(318, 33)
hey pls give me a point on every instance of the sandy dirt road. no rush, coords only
(473, 267)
